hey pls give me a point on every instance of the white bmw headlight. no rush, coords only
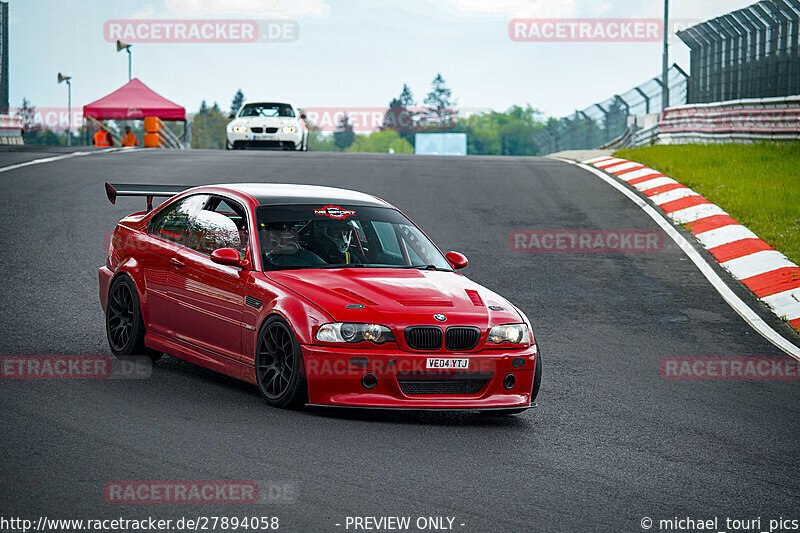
(354, 332)
(513, 333)
(289, 129)
(239, 129)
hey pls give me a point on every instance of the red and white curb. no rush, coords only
(765, 271)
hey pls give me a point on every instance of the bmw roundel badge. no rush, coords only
(440, 317)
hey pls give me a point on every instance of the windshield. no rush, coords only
(267, 110)
(331, 236)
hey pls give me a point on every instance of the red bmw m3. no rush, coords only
(317, 295)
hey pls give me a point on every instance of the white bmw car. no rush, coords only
(267, 125)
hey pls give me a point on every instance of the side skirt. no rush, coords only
(202, 357)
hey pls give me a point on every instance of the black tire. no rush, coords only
(124, 323)
(279, 364)
(537, 375)
(537, 381)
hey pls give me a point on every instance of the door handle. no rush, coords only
(177, 262)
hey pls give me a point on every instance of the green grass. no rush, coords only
(759, 185)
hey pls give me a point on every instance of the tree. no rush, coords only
(391, 119)
(399, 117)
(343, 136)
(516, 131)
(318, 141)
(508, 133)
(47, 137)
(27, 115)
(383, 142)
(439, 103)
(208, 127)
(406, 98)
(238, 100)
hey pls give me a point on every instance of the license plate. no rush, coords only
(436, 362)
(264, 137)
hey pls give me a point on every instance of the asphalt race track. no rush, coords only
(610, 443)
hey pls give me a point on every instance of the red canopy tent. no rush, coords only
(134, 101)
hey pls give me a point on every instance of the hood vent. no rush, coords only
(425, 303)
(475, 297)
(357, 297)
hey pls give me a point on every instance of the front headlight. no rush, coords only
(289, 129)
(353, 332)
(513, 333)
(239, 129)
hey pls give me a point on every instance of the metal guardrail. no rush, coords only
(751, 52)
(746, 62)
(622, 141)
(169, 139)
(747, 120)
(605, 121)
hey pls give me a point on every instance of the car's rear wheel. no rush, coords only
(279, 365)
(124, 323)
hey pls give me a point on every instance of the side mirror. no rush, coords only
(227, 256)
(456, 259)
(231, 116)
(303, 116)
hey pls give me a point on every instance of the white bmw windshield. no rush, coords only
(267, 110)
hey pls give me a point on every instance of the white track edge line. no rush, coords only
(750, 316)
(55, 158)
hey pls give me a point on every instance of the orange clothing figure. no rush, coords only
(102, 138)
(129, 139)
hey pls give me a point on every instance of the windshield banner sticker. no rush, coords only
(334, 211)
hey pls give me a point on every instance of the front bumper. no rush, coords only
(265, 140)
(335, 378)
(104, 276)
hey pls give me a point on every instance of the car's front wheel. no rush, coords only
(124, 323)
(279, 364)
(537, 375)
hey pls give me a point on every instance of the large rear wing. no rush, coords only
(149, 191)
